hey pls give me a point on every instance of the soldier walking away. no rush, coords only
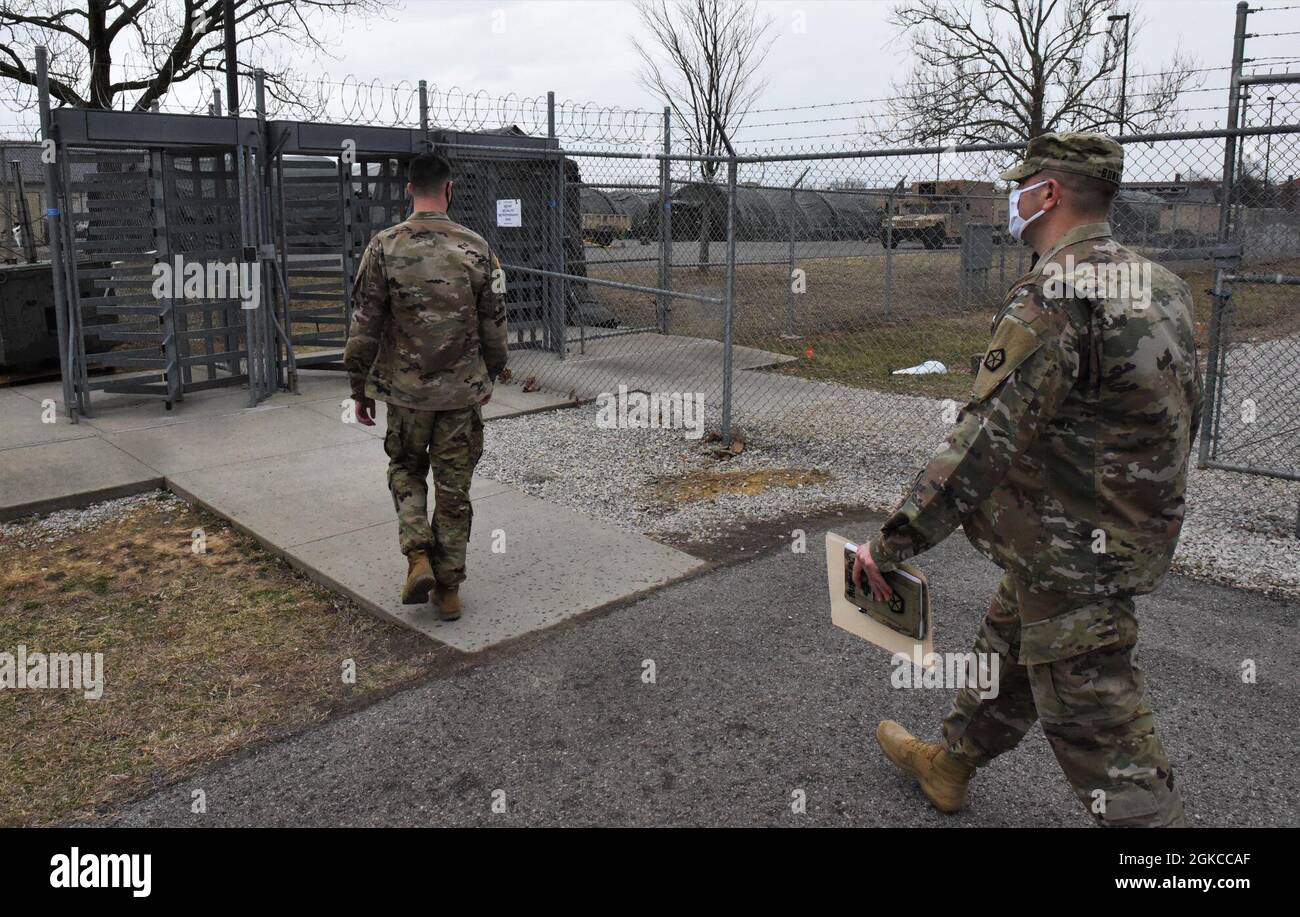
(1067, 468)
(428, 338)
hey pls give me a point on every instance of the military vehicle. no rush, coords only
(934, 212)
(603, 228)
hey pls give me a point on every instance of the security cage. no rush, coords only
(283, 210)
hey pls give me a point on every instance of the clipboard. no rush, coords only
(910, 628)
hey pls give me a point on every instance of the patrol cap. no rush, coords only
(1094, 155)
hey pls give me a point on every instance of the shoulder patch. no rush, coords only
(1013, 342)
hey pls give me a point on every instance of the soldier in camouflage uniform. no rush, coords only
(1067, 468)
(428, 337)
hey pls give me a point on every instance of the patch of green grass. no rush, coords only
(867, 359)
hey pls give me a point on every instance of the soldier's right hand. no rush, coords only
(863, 562)
(365, 411)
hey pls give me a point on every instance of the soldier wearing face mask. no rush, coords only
(1067, 468)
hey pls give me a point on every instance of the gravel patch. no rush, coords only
(38, 530)
(1239, 529)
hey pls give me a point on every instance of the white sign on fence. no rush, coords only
(509, 212)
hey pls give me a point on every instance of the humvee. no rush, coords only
(934, 211)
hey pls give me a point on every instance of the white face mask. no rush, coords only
(1016, 225)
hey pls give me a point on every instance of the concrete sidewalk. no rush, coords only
(293, 473)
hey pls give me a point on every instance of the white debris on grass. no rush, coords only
(1239, 530)
(921, 369)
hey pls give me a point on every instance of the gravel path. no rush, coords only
(1239, 529)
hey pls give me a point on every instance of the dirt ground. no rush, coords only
(204, 654)
(709, 484)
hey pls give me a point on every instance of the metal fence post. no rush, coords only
(556, 319)
(242, 163)
(62, 296)
(963, 264)
(424, 113)
(562, 258)
(889, 248)
(789, 280)
(72, 284)
(666, 227)
(1230, 141)
(277, 372)
(168, 320)
(1225, 259)
(729, 298)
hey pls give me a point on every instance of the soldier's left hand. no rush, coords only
(863, 561)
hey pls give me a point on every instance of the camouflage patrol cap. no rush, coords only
(1094, 155)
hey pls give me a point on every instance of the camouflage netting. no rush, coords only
(769, 213)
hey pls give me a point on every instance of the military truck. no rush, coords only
(603, 228)
(934, 212)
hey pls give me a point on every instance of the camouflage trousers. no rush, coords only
(450, 443)
(1070, 661)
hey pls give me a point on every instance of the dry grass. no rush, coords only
(867, 359)
(204, 654)
(1260, 312)
(709, 484)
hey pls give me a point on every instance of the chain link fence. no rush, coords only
(797, 293)
(848, 268)
(1253, 425)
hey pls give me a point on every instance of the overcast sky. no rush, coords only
(823, 52)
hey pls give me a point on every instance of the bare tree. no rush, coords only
(704, 61)
(998, 71)
(131, 53)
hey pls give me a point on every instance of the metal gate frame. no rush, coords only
(1228, 273)
(248, 155)
(370, 177)
(330, 266)
(210, 207)
(1216, 448)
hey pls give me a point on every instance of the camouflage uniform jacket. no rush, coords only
(1068, 465)
(428, 317)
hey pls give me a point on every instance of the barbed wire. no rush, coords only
(354, 99)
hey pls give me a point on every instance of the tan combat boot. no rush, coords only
(419, 579)
(447, 598)
(943, 778)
